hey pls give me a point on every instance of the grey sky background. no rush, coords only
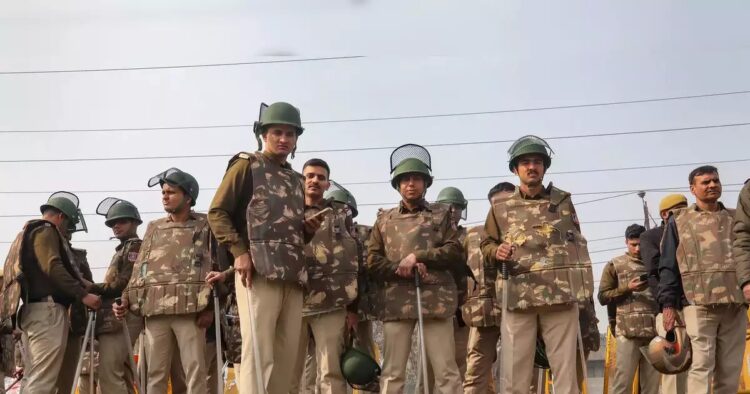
(422, 57)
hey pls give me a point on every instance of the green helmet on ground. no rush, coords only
(176, 177)
(358, 368)
(453, 196)
(114, 209)
(411, 166)
(526, 145)
(65, 202)
(344, 197)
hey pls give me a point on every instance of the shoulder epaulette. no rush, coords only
(240, 156)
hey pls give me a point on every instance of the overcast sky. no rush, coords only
(420, 58)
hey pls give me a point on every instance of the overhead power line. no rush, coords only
(372, 148)
(368, 119)
(88, 70)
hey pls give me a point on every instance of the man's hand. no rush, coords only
(92, 301)
(746, 292)
(504, 252)
(86, 284)
(204, 318)
(668, 315)
(243, 265)
(215, 276)
(406, 266)
(312, 224)
(351, 320)
(121, 309)
(636, 284)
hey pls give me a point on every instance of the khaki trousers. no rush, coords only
(277, 307)
(481, 355)
(115, 374)
(717, 335)
(440, 348)
(671, 384)
(69, 363)
(461, 337)
(559, 327)
(167, 333)
(309, 380)
(629, 359)
(212, 379)
(327, 331)
(45, 329)
(176, 373)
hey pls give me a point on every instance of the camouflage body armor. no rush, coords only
(480, 309)
(331, 264)
(106, 322)
(405, 233)
(551, 264)
(230, 329)
(20, 264)
(704, 255)
(636, 313)
(367, 289)
(275, 217)
(169, 275)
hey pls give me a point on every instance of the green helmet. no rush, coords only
(409, 166)
(280, 113)
(344, 197)
(176, 177)
(453, 196)
(358, 368)
(527, 145)
(66, 203)
(114, 209)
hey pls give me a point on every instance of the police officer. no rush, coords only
(741, 244)
(258, 214)
(330, 308)
(419, 236)
(535, 232)
(39, 269)
(168, 285)
(115, 374)
(650, 253)
(697, 263)
(481, 312)
(624, 283)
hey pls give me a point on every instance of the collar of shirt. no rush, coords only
(721, 207)
(421, 206)
(538, 196)
(284, 165)
(191, 216)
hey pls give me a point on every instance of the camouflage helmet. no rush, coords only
(529, 144)
(358, 368)
(114, 209)
(65, 202)
(670, 354)
(176, 177)
(344, 197)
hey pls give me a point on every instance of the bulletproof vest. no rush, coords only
(230, 329)
(367, 289)
(704, 255)
(480, 309)
(78, 313)
(405, 233)
(551, 264)
(459, 274)
(21, 267)
(332, 265)
(636, 313)
(169, 275)
(275, 221)
(106, 322)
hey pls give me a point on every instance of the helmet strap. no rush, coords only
(294, 150)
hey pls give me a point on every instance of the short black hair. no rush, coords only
(634, 231)
(500, 187)
(317, 163)
(702, 170)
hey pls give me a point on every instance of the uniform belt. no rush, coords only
(48, 298)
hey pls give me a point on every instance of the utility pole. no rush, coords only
(646, 222)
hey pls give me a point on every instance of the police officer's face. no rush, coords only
(530, 169)
(124, 228)
(634, 246)
(174, 199)
(316, 182)
(280, 139)
(411, 186)
(706, 187)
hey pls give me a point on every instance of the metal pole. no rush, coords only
(423, 351)
(129, 346)
(219, 355)
(79, 365)
(256, 349)
(504, 272)
(91, 356)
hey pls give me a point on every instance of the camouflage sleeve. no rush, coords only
(670, 282)
(741, 244)
(609, 291)
(115, 288)
(227, 212)
(493, 239)
(377, 263)
(47, 250)
(446, 255)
